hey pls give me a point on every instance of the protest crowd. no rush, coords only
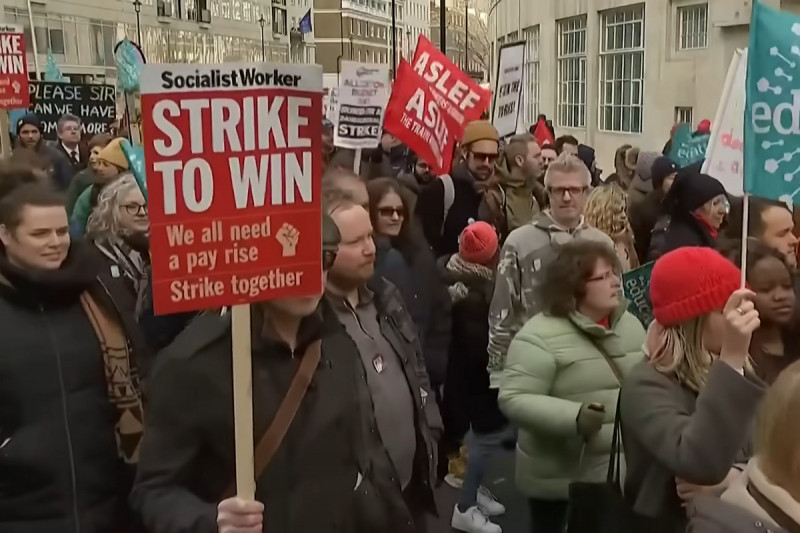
(497, 294)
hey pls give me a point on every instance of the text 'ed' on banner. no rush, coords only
(363, 93)
(233, 155)
(94, 104)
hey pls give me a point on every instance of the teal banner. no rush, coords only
(688, 147)
(772, 112)
(636, 286)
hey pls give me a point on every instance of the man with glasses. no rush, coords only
(447, 205)
(530, 248)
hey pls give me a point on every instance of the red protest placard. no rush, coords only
(13, 68)
(464, 99)
(414, 116)
(233, 175)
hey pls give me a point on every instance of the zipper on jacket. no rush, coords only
(65, 414)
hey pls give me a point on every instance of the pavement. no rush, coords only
(500, 481)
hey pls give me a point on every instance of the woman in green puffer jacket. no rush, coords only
(562, 378)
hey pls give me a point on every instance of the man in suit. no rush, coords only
(69, 142)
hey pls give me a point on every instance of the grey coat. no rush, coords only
(669, 431)
(709, 514)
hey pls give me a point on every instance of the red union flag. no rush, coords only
(415, 116)
(13, 68)
(463, 99)
(233, 172)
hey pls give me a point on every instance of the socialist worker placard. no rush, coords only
(233, 166)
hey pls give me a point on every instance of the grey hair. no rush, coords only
(104, 220)
(567, 163)
(66, 117)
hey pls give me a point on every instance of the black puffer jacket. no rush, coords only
(425, 297)
(471, 288)
(59, 464)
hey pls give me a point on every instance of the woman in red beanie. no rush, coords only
(687, 410)
(470, 275)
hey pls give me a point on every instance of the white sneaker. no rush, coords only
(454, 481)
(473, 521)
(488, 503)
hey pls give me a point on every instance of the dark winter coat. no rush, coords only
(643, 217)
(471, 288)
(160, 330)
(60, 469)
(60, 166)
(187, 460)
(442, 234)
(670, 431)
(425, 297)
(685, 230)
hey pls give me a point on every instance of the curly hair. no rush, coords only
(606, 209)
(564, 282)
(104, 220)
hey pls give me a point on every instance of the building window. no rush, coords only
(683, 115)
(531, 37)
(571, 93)
(622, 70)
(279, 20)
(693, 26)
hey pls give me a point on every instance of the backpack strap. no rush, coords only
(449, 196)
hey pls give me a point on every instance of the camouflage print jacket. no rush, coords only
(525, 253)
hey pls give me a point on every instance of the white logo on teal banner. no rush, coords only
(772, 114)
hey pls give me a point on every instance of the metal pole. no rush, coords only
(394, 38)
(466, 36)
(138, 29)
(33, 40)
(443, 27)
(261, 22)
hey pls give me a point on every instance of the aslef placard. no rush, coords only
(363, 94)
(233, 158)
(508, 95)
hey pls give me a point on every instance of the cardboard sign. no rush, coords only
(725, 153)
(332, 106)
(415, 116)
(772, 111)
(13, 68)
(95, 105)
(636, 286)
(462, 98)
(363, 93)
(508, 96)
(233, 159)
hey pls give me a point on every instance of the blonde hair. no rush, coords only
(567, 163)
(679, 351)
(606, 209)
(104, 221)
(777, 443)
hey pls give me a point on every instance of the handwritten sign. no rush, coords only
(95, 105)
(508, 96)
(363, 93)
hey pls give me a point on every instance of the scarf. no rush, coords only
(470, 271)
(127, 262)
(122, 378)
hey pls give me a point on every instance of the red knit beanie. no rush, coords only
(690, 282)
(478, 244)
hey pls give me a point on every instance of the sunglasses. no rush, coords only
(390, 211)
(489, 158)
(328, 257)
